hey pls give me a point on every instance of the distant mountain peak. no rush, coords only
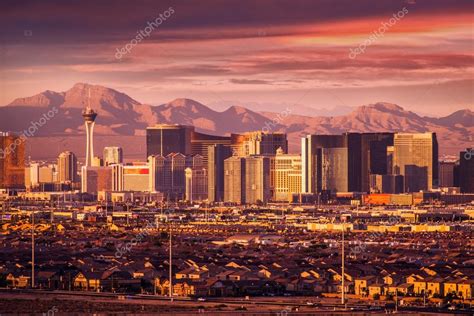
(121, 115)
(46, 98)
(464, 117)
(381, 106)
(237, 109)
(101, 98)
(186, 103)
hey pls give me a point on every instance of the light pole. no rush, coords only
(396, 299)
(343, 298)
(171, 265)
(32, 249)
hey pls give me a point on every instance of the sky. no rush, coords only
(320, 56)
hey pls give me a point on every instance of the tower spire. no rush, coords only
(89, 98)
(89, 116)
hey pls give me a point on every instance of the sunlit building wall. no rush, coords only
(415, 157)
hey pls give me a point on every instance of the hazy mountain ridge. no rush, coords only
(120, 114)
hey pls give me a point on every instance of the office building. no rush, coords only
(67, 167)
(285, 175)
(234, 180)
(196, 184)
(466, 171)
(112, 155)
(12, 161)
(415, 156)
(215, 166)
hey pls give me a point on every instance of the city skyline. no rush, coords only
(271, 157)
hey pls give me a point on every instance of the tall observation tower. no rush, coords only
(89, 119)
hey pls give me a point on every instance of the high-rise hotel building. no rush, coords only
(67, 167)
(329, 162)
(257, 179)
(12, 161)
(247, 180)
(167, 174)
(285, 175)
(466, 170)
(112, 155)
(260, 143)
(215, 167)
(343, 163)
(234, 180)
(196, 184)
(415, 156)
(164, 139)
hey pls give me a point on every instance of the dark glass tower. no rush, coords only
(215, 166)
(164, 139)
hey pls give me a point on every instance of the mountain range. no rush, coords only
(122, 121)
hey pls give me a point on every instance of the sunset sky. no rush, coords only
(260, 54)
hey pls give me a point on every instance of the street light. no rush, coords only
(343, 298)
(32, 248)
(171, 264)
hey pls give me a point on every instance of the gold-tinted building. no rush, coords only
(285, 175)
(234, 180)
(415, 156)
(260, 143)
(247, 180)
(67, 167)
(12, 161)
